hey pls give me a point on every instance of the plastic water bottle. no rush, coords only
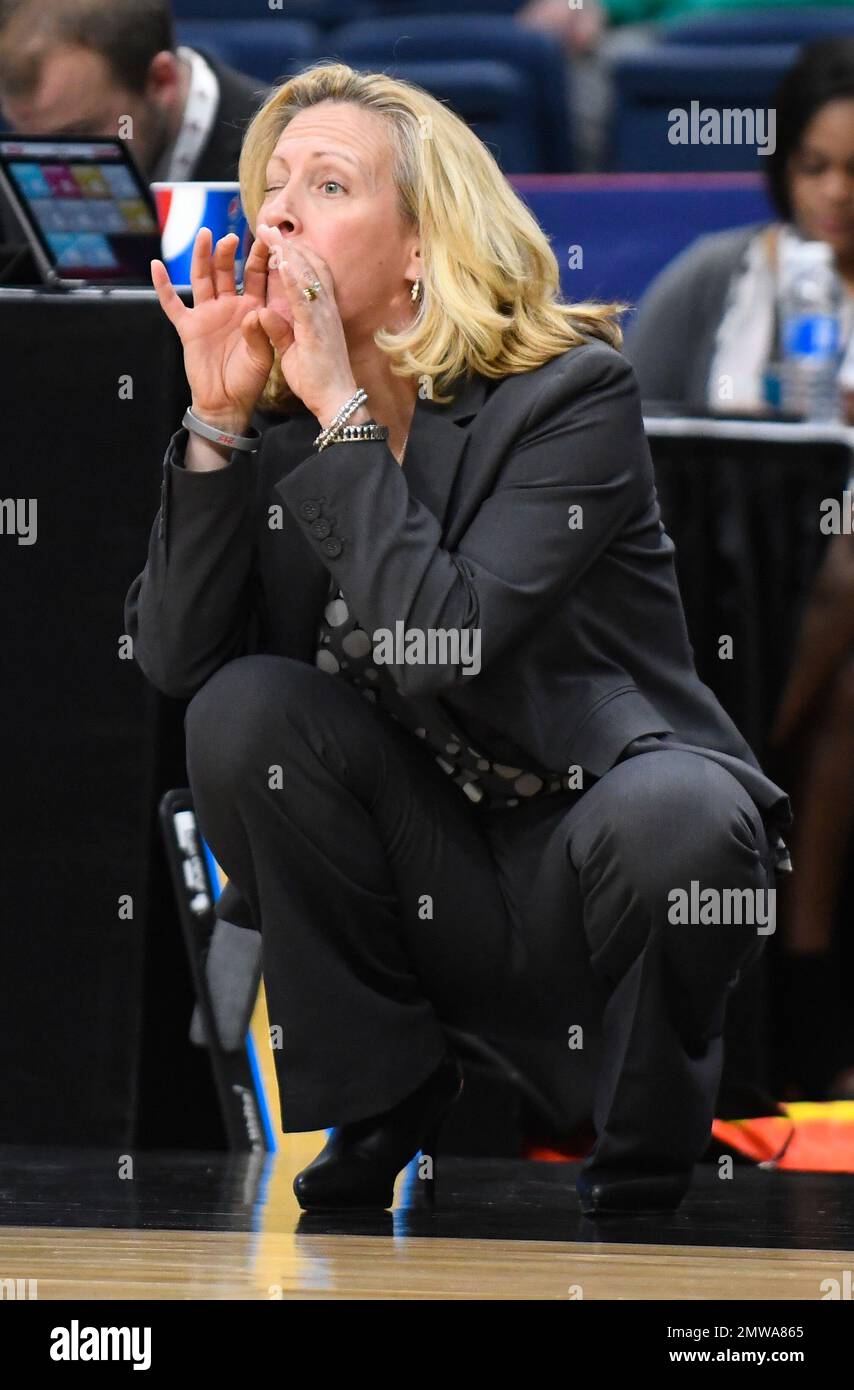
(811, 331)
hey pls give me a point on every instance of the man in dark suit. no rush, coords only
(89, 67)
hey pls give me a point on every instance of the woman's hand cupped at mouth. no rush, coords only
(227, 351)
(307, 334)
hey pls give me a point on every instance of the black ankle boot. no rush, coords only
(360, 1161)
(627, 1191)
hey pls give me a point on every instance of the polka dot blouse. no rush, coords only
(344, 648)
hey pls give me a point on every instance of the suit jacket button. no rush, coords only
(332, 546)
(309, 510)
(321, 529)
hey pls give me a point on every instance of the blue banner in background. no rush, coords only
(628, 227)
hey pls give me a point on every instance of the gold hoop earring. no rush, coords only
(415, 292)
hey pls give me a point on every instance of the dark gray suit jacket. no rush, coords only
(583, 639)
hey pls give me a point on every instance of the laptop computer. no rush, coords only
(85, 209)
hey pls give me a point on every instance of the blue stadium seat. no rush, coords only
(650, 84)
(404, 9)
(797, 25)
(323, 13)
(379, 43)
(264, 48)
(489, 97)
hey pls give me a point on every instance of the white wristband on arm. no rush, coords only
(247, 442)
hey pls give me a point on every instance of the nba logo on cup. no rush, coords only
(182, 208)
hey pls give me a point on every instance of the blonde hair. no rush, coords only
(491, 300)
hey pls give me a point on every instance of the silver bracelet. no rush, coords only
(247, 442)
(327, 435)
(369, 430)
(347, 409)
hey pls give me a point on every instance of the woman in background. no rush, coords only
(705, 335)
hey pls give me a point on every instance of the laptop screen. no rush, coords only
(84, 205)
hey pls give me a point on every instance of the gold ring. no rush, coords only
(313, 290)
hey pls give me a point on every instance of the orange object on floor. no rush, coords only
(574, 1148)
(805, 1137)
(810, 1137)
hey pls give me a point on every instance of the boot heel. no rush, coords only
(359, 1162)
(430, 1149)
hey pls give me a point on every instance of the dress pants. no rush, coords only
(391, 907)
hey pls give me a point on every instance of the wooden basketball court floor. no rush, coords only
(94, 1224)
